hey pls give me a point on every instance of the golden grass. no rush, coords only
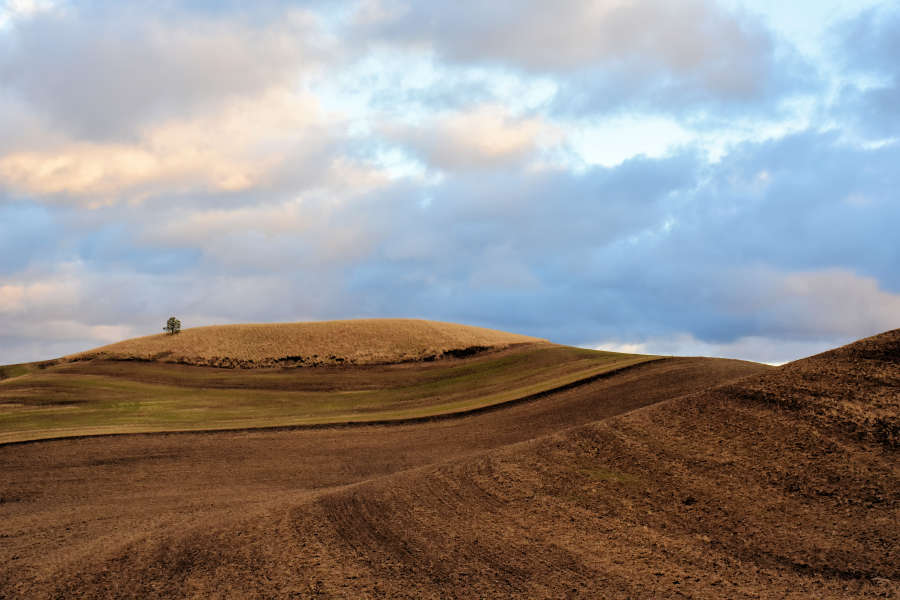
(362, 341)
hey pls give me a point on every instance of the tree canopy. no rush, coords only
(173, 326)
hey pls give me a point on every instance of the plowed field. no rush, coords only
(696, 478)
(223, 514)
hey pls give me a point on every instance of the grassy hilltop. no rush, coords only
(286, 375)
(359, 341)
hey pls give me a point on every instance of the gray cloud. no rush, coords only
(653, 53)
(787, 240)
(869, 45)
(104, 74)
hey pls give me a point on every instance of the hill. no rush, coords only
(102, 396)
(226, 514)
(360, 341)
(698, 478)
(785, 484)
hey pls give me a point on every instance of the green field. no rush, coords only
(102, 397)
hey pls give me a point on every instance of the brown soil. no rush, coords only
(780, 485)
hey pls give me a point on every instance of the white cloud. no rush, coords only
(58, 330)
(52, 294)
(829, 302)
(242, 145)
(483, 137)
(771, 350)
(835, 301)
(12, 10)
(796, 314)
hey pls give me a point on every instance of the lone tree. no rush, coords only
(173, 326)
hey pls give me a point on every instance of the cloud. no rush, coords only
(771, 244)
(243, 144)
(833, 301)
(127, 105)
(774, 351)
(762, 252)
(14, 10)
(793, 314)
(764, 245)
(606, 52)
(802, 202)
(868, 45)
(108, 73)
(59, 331)
(311, 235)
(484, 137)
(229, 164)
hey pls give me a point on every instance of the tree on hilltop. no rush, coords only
(173, 326)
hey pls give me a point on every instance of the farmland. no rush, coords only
(523, 470)
(88, 397)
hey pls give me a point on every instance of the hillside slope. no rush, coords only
(780, 485)
(94, 397)
(359, 341)
(683, 478)
(215, 515)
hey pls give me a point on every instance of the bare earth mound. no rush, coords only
(360, 341)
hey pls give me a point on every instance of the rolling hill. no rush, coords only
(289, 375)
(678, 477)
(358, 341)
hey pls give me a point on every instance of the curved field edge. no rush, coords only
(95, 405)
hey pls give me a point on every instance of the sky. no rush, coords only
(690, 178)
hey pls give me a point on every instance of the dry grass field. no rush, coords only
(360, 341)
(679, 477)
